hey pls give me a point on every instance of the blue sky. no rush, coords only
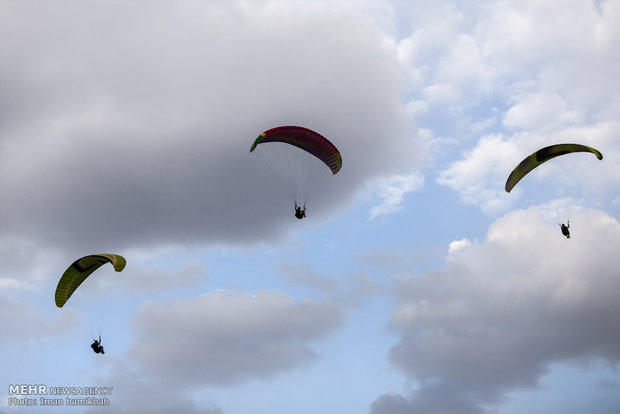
(415, 285)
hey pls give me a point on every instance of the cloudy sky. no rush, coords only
(415, 285)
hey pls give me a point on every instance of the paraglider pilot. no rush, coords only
(299, 212)
(565, 229)
(96, 346)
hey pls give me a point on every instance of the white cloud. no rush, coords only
(560, 55)
(457, 245)
(392, 191)
(7, 283)
(544, 111)
(575, 176)
(546, 71)
(441, 94)
(481, 175)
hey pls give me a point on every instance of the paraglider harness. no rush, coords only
(565, 229)
(96, 346)
(299, 212)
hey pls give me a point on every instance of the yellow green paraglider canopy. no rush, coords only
(80, 270)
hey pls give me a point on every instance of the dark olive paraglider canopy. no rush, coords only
(543, 155)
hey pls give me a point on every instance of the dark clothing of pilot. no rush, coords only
(96, 346)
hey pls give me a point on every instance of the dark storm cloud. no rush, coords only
(436, 399)
(391, 404)
(226, 338)
(23, 323)
(130, 124)
(505, 309)
(135, 393)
